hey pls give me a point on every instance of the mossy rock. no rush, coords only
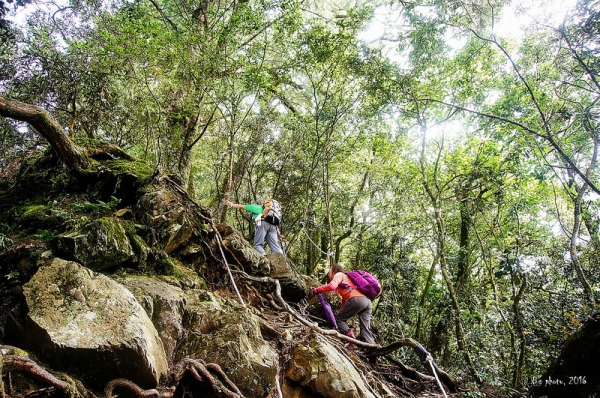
(184, 278)
(102, 244)
(39, 217)
(229, 334)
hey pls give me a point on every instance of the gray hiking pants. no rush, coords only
(268, 231)
(360, 306)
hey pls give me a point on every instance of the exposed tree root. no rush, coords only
(210, 373)
(410, 372)
(424, 357)
(273, 303)
(134, 388)
(217, 369)
(19, 364)
(197, 368)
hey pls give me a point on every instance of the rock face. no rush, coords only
(86, 323)
(293, 286)
(575, 372)
(275, 265)
(320, 368)
(171, 223)
(195, 323)
(164, 304)
(94, 327)
(239, 250)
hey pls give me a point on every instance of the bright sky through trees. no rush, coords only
(387, 23)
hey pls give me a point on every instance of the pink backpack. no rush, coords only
(365, 282)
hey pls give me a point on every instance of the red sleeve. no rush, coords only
(331, 286)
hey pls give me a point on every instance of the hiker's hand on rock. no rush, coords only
(227, 203)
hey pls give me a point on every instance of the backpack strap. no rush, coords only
(345, 285)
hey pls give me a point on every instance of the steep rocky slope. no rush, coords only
(117, 283)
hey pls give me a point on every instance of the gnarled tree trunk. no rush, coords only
(38, 118)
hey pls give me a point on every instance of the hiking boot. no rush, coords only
(350, 333)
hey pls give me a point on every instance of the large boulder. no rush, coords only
(239, 251)
(221, 331)
(574, 373)
(293, 285)
(85, 323)
(164, 305)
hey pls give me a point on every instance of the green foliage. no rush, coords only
(472, 152)
(12, 275)
(45, 235)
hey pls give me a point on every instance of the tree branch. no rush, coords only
(529, 130)
(47, 127)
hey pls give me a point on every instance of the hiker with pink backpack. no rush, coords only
(357, 289)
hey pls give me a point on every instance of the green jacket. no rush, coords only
(256, 210)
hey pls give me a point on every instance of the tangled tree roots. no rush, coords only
(133, 388)
(210, 374)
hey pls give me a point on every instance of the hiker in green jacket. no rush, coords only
(263, 229)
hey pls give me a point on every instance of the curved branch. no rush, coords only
(521, 78)
(577, 57)
(47, 127)
(162, 14)
(533, 97)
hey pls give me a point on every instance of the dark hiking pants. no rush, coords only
(360, 306)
